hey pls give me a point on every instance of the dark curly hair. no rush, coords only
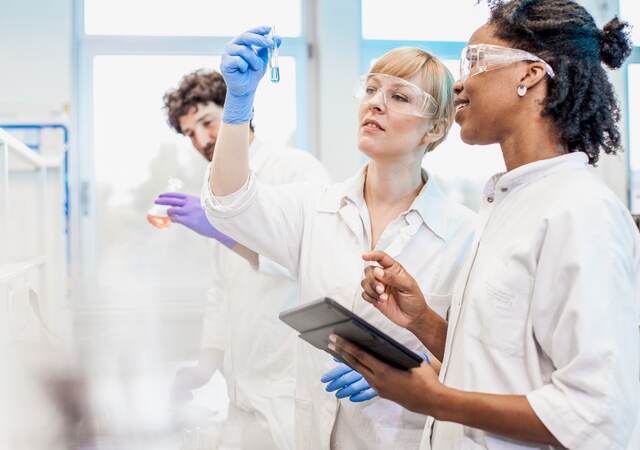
(195, 89)
(580, 98)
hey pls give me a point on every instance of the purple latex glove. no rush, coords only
(187, 210)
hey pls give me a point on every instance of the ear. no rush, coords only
(534, 75)
(438, 129)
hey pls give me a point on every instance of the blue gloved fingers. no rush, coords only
(247, 54)
(353, 388)
(263, 53)
(262, 30)
(248, 38)
(170, 201)
(344, 380)
(336, 372)
(365, 395)
(230, 64)
(173, 195)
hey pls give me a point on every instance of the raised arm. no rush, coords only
(243, 64)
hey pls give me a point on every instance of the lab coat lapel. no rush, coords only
(404, 236)
(456, 307)
(351, 217)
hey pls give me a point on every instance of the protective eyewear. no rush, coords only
(397, 94)
(479, 58)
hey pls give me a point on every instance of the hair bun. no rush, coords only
(615, 44)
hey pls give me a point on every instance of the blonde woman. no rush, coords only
(320, 232)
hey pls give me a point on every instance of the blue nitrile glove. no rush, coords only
(187, 210)
(348, 383)
(351, 383)
(243, 64)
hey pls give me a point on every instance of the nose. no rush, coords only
(378, 101)
(458, 87)
(202, 137)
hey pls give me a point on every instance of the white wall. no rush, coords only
(35, 56)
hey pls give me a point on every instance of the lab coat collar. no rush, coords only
(507, 181)
(432, 205)
(429, 207)
(346, 192)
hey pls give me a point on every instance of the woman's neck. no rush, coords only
(535, 141)
(393, 184)
(389, 189)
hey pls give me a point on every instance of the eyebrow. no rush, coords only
(394, 84)
(203, 118)
(186, 131)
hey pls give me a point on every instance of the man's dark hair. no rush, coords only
(580, 98)
(195, 89)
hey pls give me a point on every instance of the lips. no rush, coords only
(371, 124)
(460, 104)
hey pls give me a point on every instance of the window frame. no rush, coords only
(634, 59)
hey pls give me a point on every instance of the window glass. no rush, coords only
(630, 11)
(134, 154)
(453, 20)
(189, 17)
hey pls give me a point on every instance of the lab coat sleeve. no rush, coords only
(585, 313)
(267, 219)
(215, 320)
(294, 166)
(268, 267)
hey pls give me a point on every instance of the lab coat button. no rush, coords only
(490, 199)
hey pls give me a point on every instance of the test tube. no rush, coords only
(274, 68)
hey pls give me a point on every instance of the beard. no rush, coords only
(207, 152)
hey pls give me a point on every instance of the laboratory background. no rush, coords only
(98, 308)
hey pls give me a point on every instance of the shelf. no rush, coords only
(27, 155)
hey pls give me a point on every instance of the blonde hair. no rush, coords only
(437, 81)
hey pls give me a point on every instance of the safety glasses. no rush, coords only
(479, 58)
(397, 95)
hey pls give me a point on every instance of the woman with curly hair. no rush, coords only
(542, 345)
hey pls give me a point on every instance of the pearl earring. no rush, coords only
(522, 90)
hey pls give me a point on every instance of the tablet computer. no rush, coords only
(317, 320)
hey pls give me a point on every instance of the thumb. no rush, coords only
(381, 258)
(394, 276)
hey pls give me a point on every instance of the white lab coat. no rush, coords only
(319, 234)
(241, 319)
(548, 307)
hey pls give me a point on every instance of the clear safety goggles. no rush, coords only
(398, 95)
(480, 58)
